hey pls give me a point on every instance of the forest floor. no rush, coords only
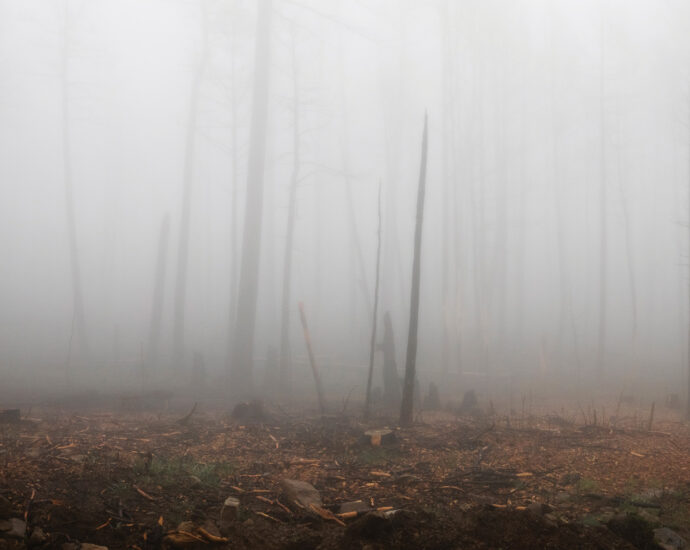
(148, 480)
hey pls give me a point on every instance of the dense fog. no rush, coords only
(555, 237)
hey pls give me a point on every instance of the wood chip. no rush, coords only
(144, 494)
(211, 536)
(267, 516)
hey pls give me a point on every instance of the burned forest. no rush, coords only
(344, 274)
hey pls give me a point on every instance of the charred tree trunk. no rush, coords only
(372, 347)
(411, 359)
(243, 345)
(158, 293)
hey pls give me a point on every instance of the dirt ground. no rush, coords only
(145, 479)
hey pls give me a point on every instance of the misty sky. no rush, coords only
(533, 106)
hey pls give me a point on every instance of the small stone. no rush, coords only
(536, 508)
(5, 508)
(669, 540)
(301, 493)
(37, 536)
(187, 526)
(14, 527)
(551, 519)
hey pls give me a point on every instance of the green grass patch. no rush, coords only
(170, 471)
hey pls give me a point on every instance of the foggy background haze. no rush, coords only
(535, 107)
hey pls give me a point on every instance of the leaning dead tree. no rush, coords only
(312, 361)
(411, 360)
(372, 347)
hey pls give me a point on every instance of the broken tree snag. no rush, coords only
(651, 419)
(372, 350)
(312, 362)
(411, 359)
(391, 380)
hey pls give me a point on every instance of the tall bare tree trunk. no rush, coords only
(178, 357)
(411, 359)
(243, 345)
(687, 407)
(374, 325)
(603, 245)
(78, 338)
(158, 294)
(234, 223)
(285, 354)
(449, 292)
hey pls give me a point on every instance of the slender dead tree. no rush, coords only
(158, 293)
(235, 189)
(78, 318)
(312, 361)
(372, 346)
(248, 290)
(411, 359)
(687, 409)
(603, 244)
(189, 162)
(285, 355)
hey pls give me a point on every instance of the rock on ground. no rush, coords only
(301, 493)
